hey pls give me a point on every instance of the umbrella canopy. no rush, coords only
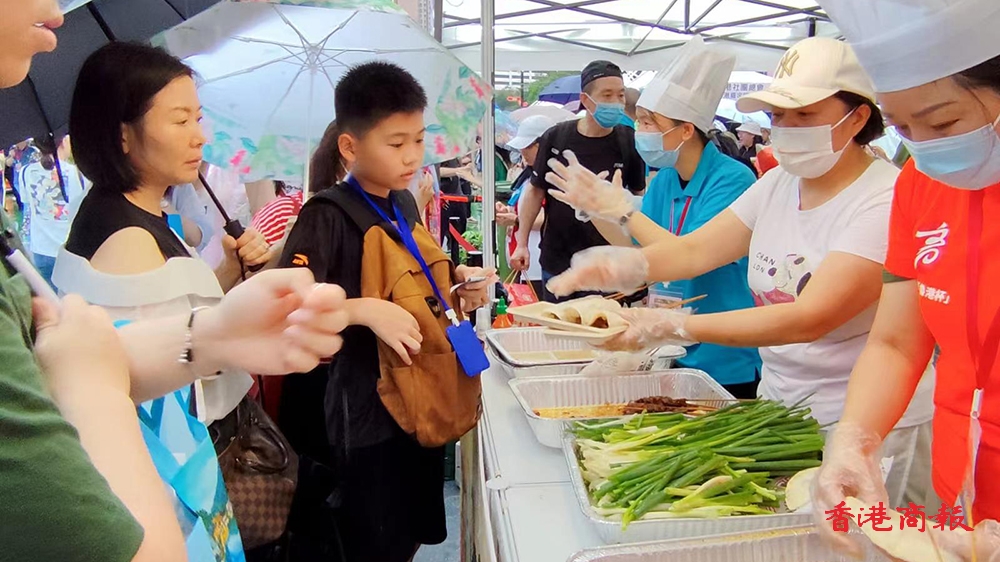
(552, 111)
(505, 128)
(562, 90)
(727, 110)
(268, 73)
(41, 103)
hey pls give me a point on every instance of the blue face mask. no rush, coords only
(970, 161)
(650, 147)
(607, 115)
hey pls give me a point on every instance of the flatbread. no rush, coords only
(798, 491)
(909, 544)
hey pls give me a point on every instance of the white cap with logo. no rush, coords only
(691, 87)
(810, 72)
(907, 43)
(529, 130)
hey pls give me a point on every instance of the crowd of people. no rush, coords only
(826, 276)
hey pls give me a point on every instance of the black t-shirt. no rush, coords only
(330, 244)
(562, 234)
(102, 214)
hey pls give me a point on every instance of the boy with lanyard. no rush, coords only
(390, 487)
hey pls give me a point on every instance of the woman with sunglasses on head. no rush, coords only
(78, 483)
(936, 68)
(814, 231)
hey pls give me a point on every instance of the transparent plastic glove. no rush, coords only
(984, 541)
(587, 192)
(602, 268)
(651, 327)
(850, 469)
(619, 362)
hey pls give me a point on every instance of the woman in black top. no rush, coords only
(136, 126)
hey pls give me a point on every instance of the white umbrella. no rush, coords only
(267, 73)
(727, 109)
(553, 111)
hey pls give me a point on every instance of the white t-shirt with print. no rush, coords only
(787, 246)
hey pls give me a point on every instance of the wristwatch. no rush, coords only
(623, 220)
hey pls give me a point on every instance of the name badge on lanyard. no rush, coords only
(461, 335)
(662, 295)
(983, 353)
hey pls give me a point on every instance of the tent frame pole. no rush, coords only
(484, 315)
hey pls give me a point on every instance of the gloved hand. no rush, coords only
(984, 541)
(602, 268)
(588, 192)
(651, 327)
(850, 469)
(619, 362)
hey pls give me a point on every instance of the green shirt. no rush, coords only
(54, 505)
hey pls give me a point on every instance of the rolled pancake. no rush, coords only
(600, 313)
(564, 312)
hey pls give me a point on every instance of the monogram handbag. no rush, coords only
(260, 470)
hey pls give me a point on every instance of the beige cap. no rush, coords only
(908, 43)
(810, 72)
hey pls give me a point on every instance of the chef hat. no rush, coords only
(691, 87)
(907, 43)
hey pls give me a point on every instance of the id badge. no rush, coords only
(468, 349)
(662, 295)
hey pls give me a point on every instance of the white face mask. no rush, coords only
(970, 161)
(806, 152)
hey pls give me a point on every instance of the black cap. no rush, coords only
(599, 69)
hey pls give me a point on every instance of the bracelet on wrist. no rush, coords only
(187, 352)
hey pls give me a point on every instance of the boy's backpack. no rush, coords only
(433, 399)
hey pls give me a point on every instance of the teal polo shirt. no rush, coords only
(718, 181)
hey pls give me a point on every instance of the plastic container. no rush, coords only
(797, 544)
(528, 352)
(554, 392)
(611, 532)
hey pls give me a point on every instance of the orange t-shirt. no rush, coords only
(928, 242)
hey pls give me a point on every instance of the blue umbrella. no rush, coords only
(562, 91)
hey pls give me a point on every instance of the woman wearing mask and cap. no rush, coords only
(695, 183)
(815, 234)
(936, 66)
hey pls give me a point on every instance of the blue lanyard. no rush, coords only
(408, 241)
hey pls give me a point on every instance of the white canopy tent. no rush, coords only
(635, 34)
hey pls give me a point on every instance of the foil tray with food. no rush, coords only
(670, 475)
(562, 392)
(529, 352)
(796, 544)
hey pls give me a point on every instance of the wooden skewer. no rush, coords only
(685, 302)
(619, 296)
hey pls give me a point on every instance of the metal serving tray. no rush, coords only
(554, 392)
(611, 531)
(509, 342)
(797, 544)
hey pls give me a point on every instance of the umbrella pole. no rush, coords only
(484, 315)
(307, 175)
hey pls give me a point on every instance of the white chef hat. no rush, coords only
(907, 43)
(691, 87)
